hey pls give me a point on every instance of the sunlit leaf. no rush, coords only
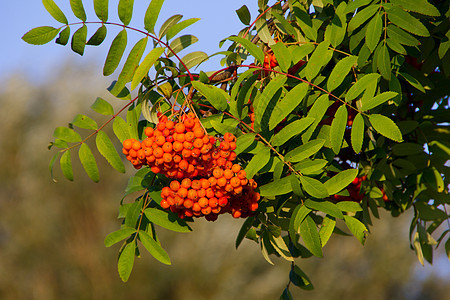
(98, 37)
(404, 20)
(319, 59)
(314, 187)
(78, 9)
(167, 220)
(305, 150)
(85, 122)
(54, 11)
(254, 50)
(356, 227)
(310, 235)
(79, 40)
(339, 72)
(102, 107)
(107, 149)
(66, 165)
(361, 85)
(337, 129)
(115, 53)
(119, 235)
(176, 28)
(126, 261)
(291, 130)
(125, 10)
(88, 161)
(373, 32)
(338, 182)
(151, 15)
(154, 248)
(67, 134)
(386, 127)
(40, 35)
(101, 9)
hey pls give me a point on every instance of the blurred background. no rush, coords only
(51, 234)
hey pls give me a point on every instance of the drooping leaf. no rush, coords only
(154, 248)
(98, 37)
(85, 122)
(401, 36)
(181, 43)
(145, 66)
(79, 40)
(326, 207)
(326, 230)
(88, 161)
(314, 187)
(361, 85)
(362, 16)
(338, 182)
(319, 59)
(107, 149)
(125, 10)
(335, 31)
(67, 134)
(254, 50)
(264, 104)
(216, 96)
(115, 53)
(244, 15)
(166, 219)
(244, 141)
(66, 165)
(305, 150)
(63, 37)
(291, 130)
(258, 162)
(52, 163)
(102, 107)
(169, 23)
(337, 129)
(54, 11)
(126, 261)
(377, 100)
(373, 32)
(101, 9)
(357, 228)
(78, 9)
(243, 231)
(339, 72)
(287, 104)
(404, 20)
(310, 236)
(300, 279)
(151, 15)
(284, 25)
(176, 28)
(193, 59)
(40, 35)
(317, 112)
(386, 127)
(384, 62)
(276, 187)
(298, 215)
(118, 235)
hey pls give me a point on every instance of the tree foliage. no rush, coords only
(340, 109)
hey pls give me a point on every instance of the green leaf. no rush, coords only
(285, 26)
(326, 207)
(395, 46)
(305, 22)
(326, 230)
(317, 112)
(145, 66)
(298, 215)
(244, 141)
(305, 150)
(119, 235)
(78, 9)
(214, 95)
(349, 206)
(169, 23)
(258, 162)
(357, 228)
(125, 10)
(227, 125)
(386, 127)
(276, 187)
(102, 107)
(98, 37)
(181, 43)
(106, 148)
(310, 236)
(287, 104)
(404, 20)
(85, 122)
(429, 212)
(314, 187)
(283, 56)
(244, 15)
(67, 134)
(244, 229)
(101, 9)
(64, 36)
(311, 167)
(373, 32)
(447, 248)
(66, 165)
(193, 59)
(88, 161)
(40, 35)
(319, 59)
(419, 6)
(154, 248)
(115, 53)
(384, 62)
(52, 163)
(339, 72)
(79, 40)
(337, 129)
(264, 104)
(280, 247)
(151, 15)
(175, 29)
(300, 279)
(286, 295)
(291, 130)
(362, 16)
(361, 85)
(126, 261)
(377, 100)
(166, 219)
(55, 11)
(254, 50)
(133, 213)
(401, 36)
(338, 182)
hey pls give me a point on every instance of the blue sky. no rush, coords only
(218, 20)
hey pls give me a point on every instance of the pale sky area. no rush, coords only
(218, 20)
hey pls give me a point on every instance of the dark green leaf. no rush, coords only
(305, 150)
(305, 22)
(66, 165)
(181, 43)
(67, 134)
(287, 104)
(125, 11)
(151, 15)
(244, 229)
(298, 215)
(106, 148)
(276, 187)
(40, 35)
(361, 85)
(429, 212)
(264, 104)
(310, 236)
(338, 182)
(384, 62)
(377, 100)
(286, 295)
(102, 107)
(98, 37)
(319, 59)
(404, 20)
(78, 9)
(291, 130)
(85, 122)
(254, 50)
(79, 40)
(101, 9)
(154, 248)
(337, 129)
(300, 279)
(395, 46)
(362, 16)
(404, 149)
(133, 213)
(145, 66)
(326, 207)
(386, 127)
(88, 162)
(64, 36)
(284, 26)
(176, 28)
(126, 261)
(258, 162)
(373, 32)
(244, 15)
(115, 53)
(169, 23)
(401, 36)
(119, 235)
(55, 11)
(216, 96)
(418, 6)
(314, 187)
(356, 227)
(167, 220)
(339, 72)
(317, 112)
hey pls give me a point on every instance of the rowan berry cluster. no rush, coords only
(207, 181)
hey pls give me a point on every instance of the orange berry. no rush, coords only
(229, 188)
(191, 115)
(151, 159)
(236, 214)
(182, 192)
(228, 165)
(196, 184)
(127, 144)
(160, 140)
(167, 157)
(158, 152)
(170, 124)
(221, 161)
(210, 193)
(203, 202)
(222, 181)
(187, 145)
(191, 169)
(155, 169)
(181, 137)
(238, 190)
(159, 161)
(244, 181)
(147, 143)
(176, 159)
(167, 147)
(232, 146)
(136, 145)
(206, 211)
(228, 174)
(161, 126)
(188, 203)
(178, 200)
(183, 165)
(236, 168)
(177, 146)
(189, 122)
(192, 194)
(224, 154)
(205, 183)
(232, 156)
(180, 128)
(199, 132)
(186, 183)
(242, 174)
(213, 202)
(132, 153)
(223, 201)
(140, 154)
(198, 143)
(196, 153)
(124, 151)
(196, 207)
(165, 204)
(235, 182)
(149, 131)
(189, 136)
(174, 185)
(217, 172)
(212, 181)
(229, 137)
(201, 193)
